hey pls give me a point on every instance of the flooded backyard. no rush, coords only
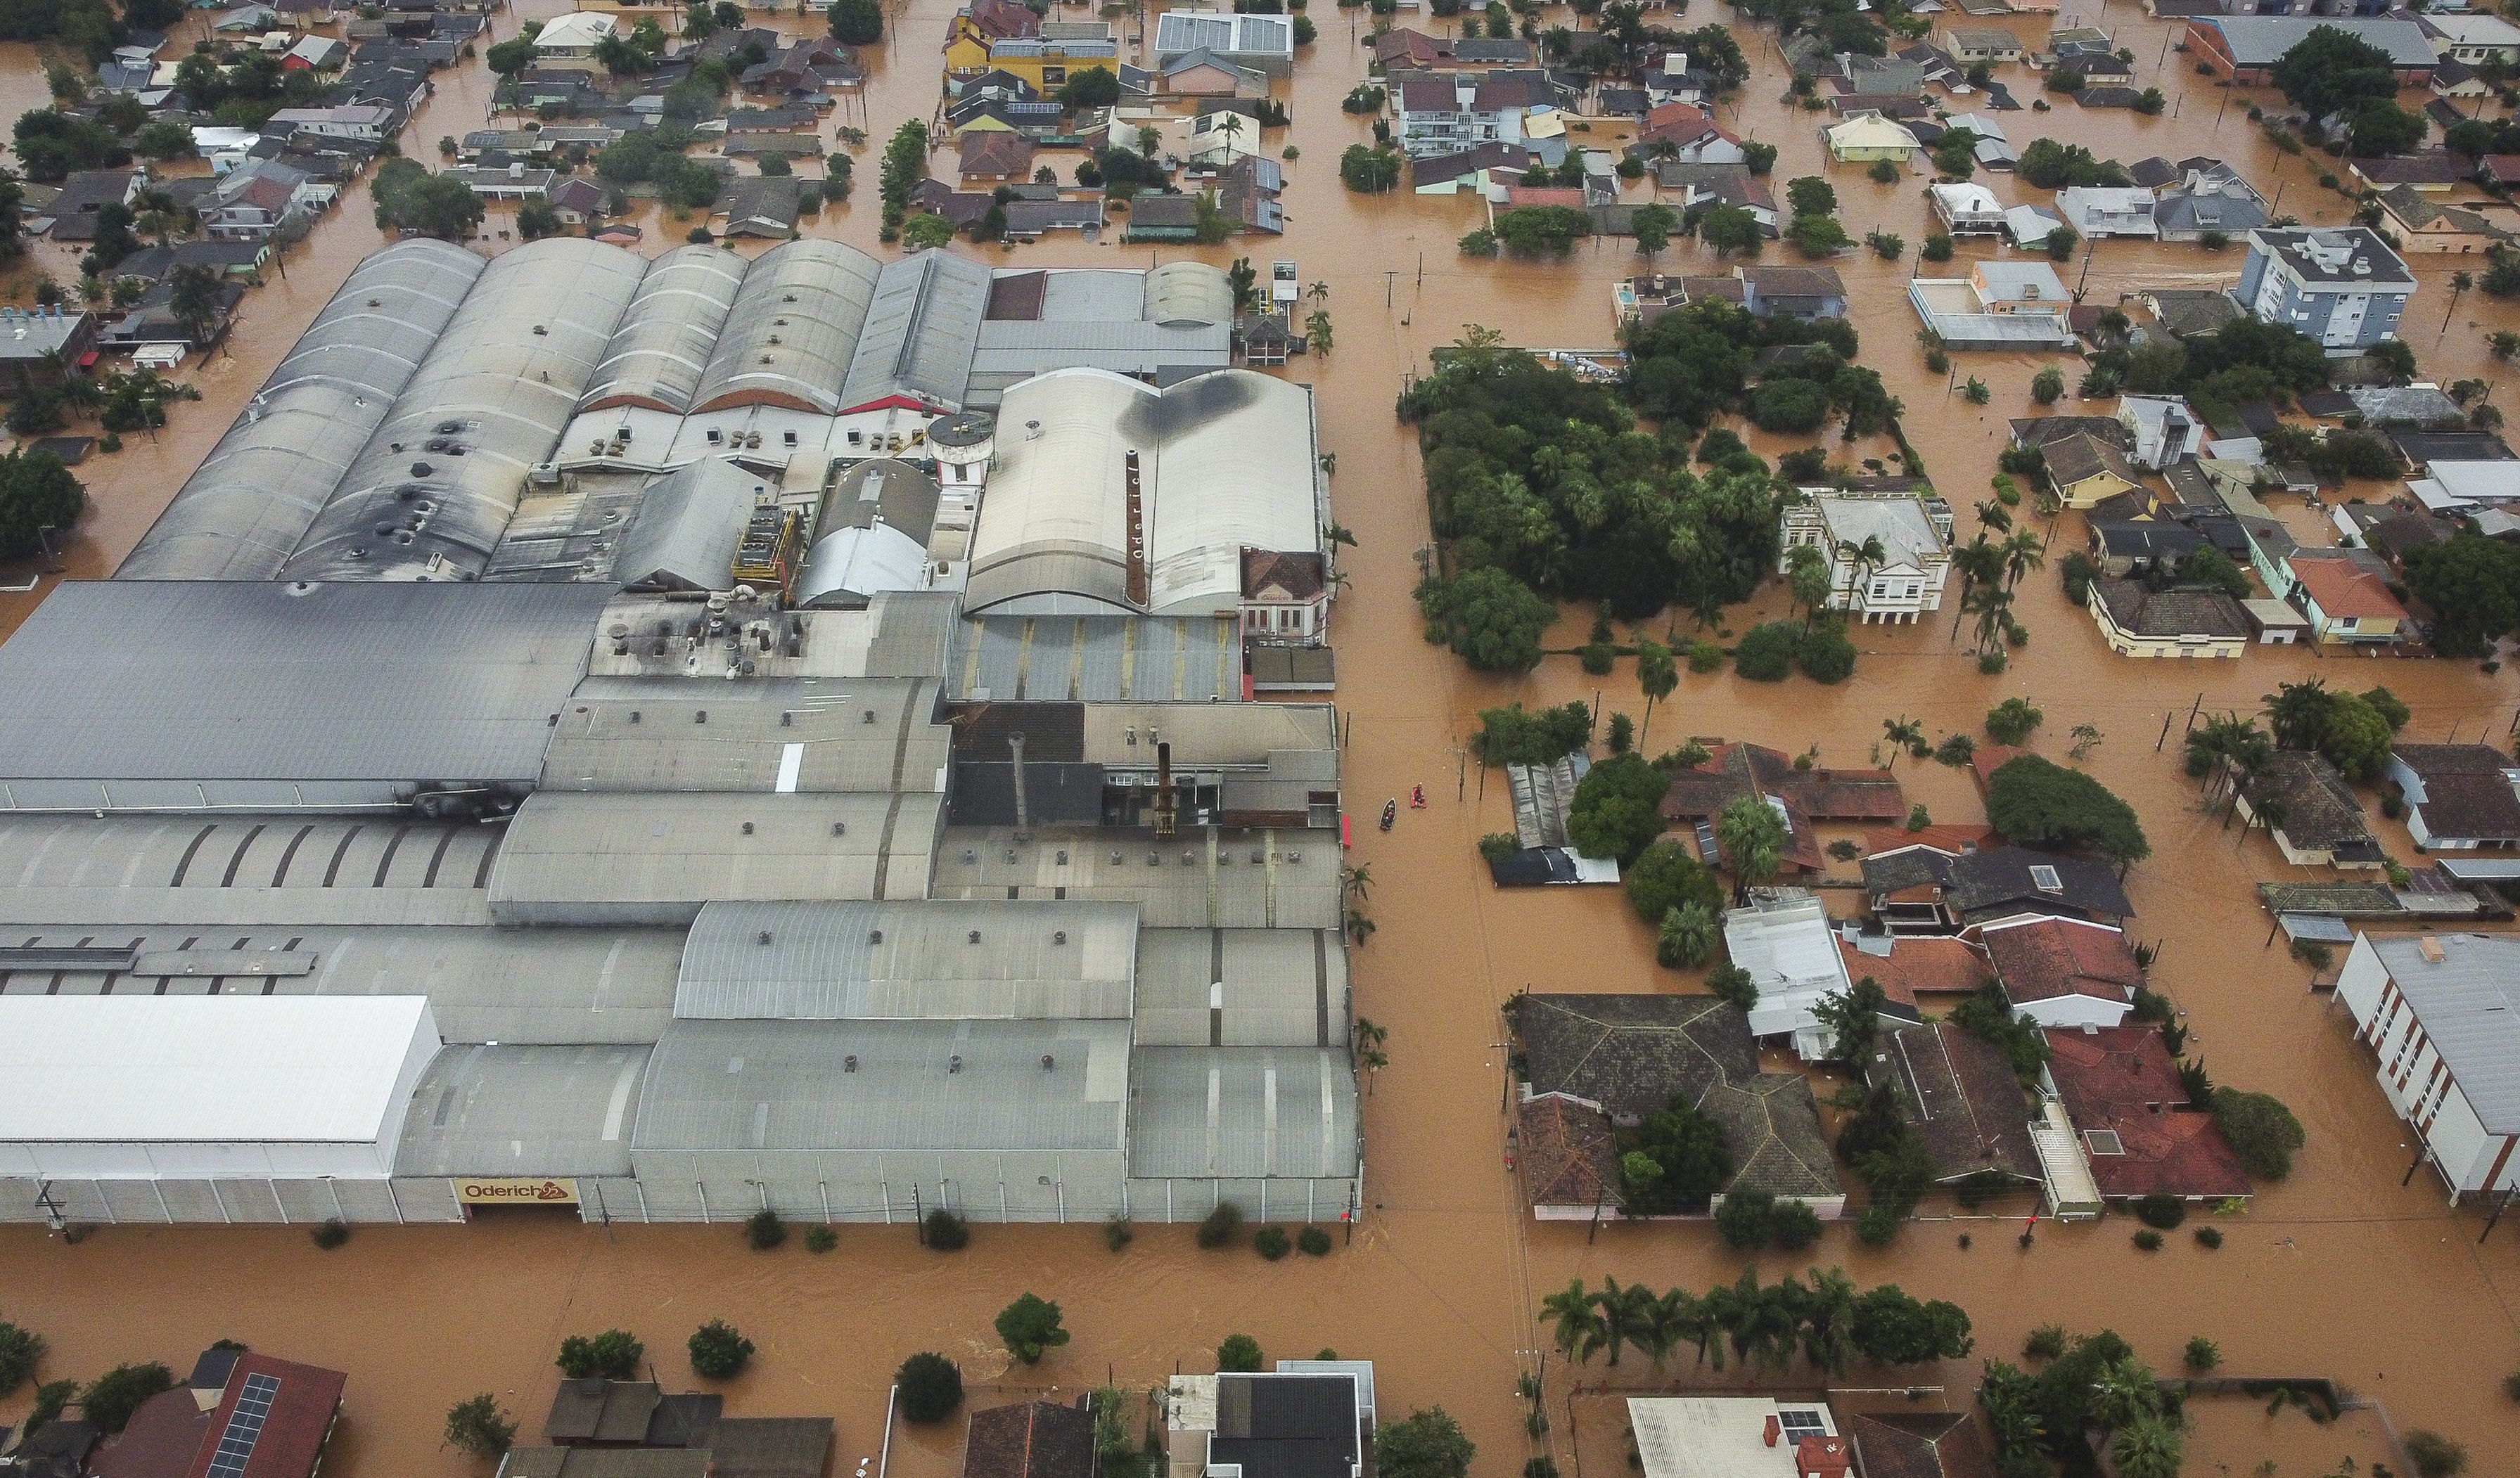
(2339, 1272)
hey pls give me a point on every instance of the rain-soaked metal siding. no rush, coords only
(794, 328)
(663, 345)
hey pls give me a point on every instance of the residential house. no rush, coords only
(1047, 61)
(1643, 300)
(364, 123)
(2000, 306)
(760, 205)
(1262, 43)
(1404, 49)
(575, 35)
(86, 192)
(976, 28)
(2454, 80)
(1992, 149)
(1447, 112)
(2420, 225)
(1911, 536)
(239, 1412)
(2242, 50)
(1735, 1437)
(1784, 939)
(579, 201)
(1483, 169)
(1568, 1157)
(1204, 74)
(2140, 547)
(1625, 1056)
(2209, 198)
(1959, 1091)
(809, 70)
(2085, 470)
(2140, 1135)
(313, 53)
(1797, 292)
(995, 159)
(1924, 890)
(1031, 1438)
(1249, 194)
(1981, 43)
(1918, 1445)
(1030, 219)
(1685, 133)
(2096, 212)
(1710, 184)
(151, 320)
(2139, 621)
(2441, 1014)
(1286, 597)
(1162, 218)
(2162, 431)
(2451, 484)
(2064, 973)
(2310, 811)
(1869, 136)
(1730, 771)
(42, 344)
(510, 182)
(259, 198)
(2341, 286)
(2471, 38)
(2346, 602)
(1966, 208)
(2458, 797)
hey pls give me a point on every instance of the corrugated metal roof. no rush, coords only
(1243, 1113)
(1188, 294)
(1091, 296)
(215, 680)
(915, 1085)
(509, 1110)
(922, 327)
(200, 1070)
(794, 328)
(689, 524)
(2468, 1003)
(241, 866)
(936, 959)
(656, 859)
(1280, 988)
(1253, 880)
(440, 477)
(656, 357)
(1099, 659)
(252, 498)
(803, 735)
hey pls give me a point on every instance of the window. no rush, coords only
(1799, 1422)
(791, 438)
(1052, 76)
(2103, 1142)
(2046, 880)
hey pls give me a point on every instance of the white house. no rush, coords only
(1915, 536)
(2442, 1014)
(1966, 210)
(1784, 940)
(1735, 1437)
(2471, 38)
(2164, 430)
(575, 34)
(368, 122)
(2102, 210)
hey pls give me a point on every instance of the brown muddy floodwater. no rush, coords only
(2338, 1271)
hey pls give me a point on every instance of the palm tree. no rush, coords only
(1762, 1324)
(2234, 744)
(1368, 1034)
(1359, 928)
(1718, 1313)
(1359, 880)
(1807, 575)
(1627, 1316)
(1902, 732)
(2123, 1394)
(1321, 291)
(1827, 1318)
(2148, 1448)
(2023, 553)
(1671, 1319)
(1995, 516)
(1578, 1328)
(1978, 562)
(1752, 837)
(1656, 675)
(1866, 557)
(1991, 604)
(1683, 1315)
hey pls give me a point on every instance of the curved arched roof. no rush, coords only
(251, 500)
(1180, 294)
(662, 347)
(789, 339)
(1225, 463)
(442, 475)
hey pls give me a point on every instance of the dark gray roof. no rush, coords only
(2144, 612)
(183, 681)
(2000, 877)
(1287, 1426)
(2318, 811)
(1959, 1091)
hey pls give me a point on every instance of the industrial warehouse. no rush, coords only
(543, 758)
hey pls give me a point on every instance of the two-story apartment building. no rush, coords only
(2437, 1012)
(2470, 39)
(1889, 553)
(1446, 112)
(2339, 285)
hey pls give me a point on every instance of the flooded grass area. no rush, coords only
(2341, 1270)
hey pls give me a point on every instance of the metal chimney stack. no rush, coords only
(1163, 788)
(1023, 812)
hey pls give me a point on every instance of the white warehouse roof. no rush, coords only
(167, 1069)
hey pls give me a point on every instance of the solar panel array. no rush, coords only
(245, 1426)
(1799, 1423)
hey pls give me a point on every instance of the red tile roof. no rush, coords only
(1568, 1157)
(2122, 1079)
(2056, 958)
(1915, 964)
(291, 1439)
(161, 1441)
(2344, 589)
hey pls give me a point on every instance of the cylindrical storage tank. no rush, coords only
(255, 496)
(439, 479)
(1189, 294)
(963, 441)
(663, 345)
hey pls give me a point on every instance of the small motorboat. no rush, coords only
(1391, 813)
(1418, 797)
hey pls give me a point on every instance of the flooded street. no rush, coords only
(2339, 1272)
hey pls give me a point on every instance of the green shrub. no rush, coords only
(331, 1233)
(112, 1398)
(1992, 661)
(1956, 751)
(764, 1231)
(719, 1352)
(1239, 1352)
(1705, 656)
(2209, 1238)
(2011, 721)
(2165, 1212)
(2147, 1241)
(1219, 1226)
(2203, 1353)
(821, 1239)
(1313, 1241)
(1876, 1226)
(614, 1355)
(1272, 1242)
(20, 1350)
(1766, 652)
(2433, 1454)
(946, 1231)
(1117, 1232)
(930, 1385)
(1598, 658)
(1497, 846)
(2046, 1342)
(1827, 655)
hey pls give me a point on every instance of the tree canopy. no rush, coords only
(36, 493)
(859, 22)
(1513, 735)
(2333, 71)
(2355, 732)
(1673, 1161)
(2260, 1130)
(931, 1387)
(2472, 584)
(2037, 804)
(1426, 1444)
(1616, 810)
(1665, 878)
(411, 199)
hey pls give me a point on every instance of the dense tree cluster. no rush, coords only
(2354, 731)
(2037, 804)
(411, 199)
(1513, 735)
(2242, 363)
(2095, 1393)
(2051, 166)
(1616, 810)
(1828, 1321)
(2472, 584)
(2332, 73)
